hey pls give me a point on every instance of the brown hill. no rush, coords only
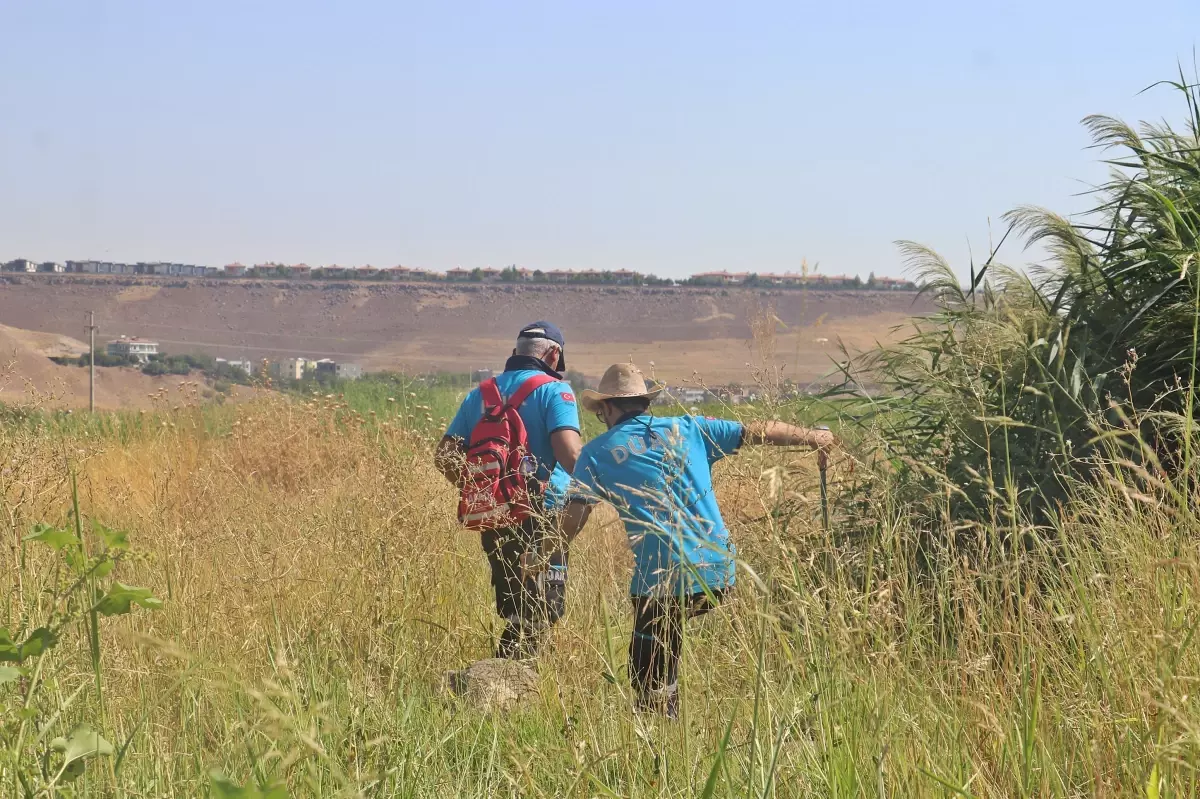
(29, 377)
(684, 331)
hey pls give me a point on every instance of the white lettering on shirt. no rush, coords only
(637, 446)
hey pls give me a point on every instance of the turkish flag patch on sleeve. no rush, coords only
(568, 396)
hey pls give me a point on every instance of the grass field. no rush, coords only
(315, 587)
(261, 599)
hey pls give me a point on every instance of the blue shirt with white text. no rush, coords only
(657, 473)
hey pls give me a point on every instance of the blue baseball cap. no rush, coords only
(550, 332)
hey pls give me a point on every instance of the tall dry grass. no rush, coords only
(316, 586)
(998, 613)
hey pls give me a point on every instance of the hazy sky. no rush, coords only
(669, 137)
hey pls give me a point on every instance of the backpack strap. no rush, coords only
(489, 392)
(528, 387)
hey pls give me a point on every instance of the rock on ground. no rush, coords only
(495, 684)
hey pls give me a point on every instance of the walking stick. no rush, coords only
(823, 466)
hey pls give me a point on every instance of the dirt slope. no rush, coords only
(49, 345)
(422, 327)
(29, 377)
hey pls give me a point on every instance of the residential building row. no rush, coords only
(26, 265)
(112, 268)
(695, 395)
(511, 274)
(144, 350)
(797, 279)
(300, 368)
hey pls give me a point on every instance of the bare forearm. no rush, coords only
(782, 434)
(577, 522)
(573, 520)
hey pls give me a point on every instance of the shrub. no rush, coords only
(102, 359)
(1020, 384)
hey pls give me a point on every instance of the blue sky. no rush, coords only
(670, 137)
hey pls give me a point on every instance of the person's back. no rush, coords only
(657, 473)
(549, 409)
(528, 604)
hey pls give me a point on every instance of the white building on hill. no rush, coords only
(245, 366)
(133, 347)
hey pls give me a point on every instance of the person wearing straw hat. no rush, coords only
(657, 473)
(529, 603)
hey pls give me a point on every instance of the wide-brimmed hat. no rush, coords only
(621, 380)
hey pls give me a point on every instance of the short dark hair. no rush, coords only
(630, 404)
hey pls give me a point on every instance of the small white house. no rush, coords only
(133, 347)
(245, 366)
(684, 395)
(22, 265)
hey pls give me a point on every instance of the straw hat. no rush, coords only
(620, 381)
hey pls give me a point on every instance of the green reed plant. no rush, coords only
(1000, 399)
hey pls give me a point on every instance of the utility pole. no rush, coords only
(92, 361)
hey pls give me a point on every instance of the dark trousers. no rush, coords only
(656, 644)
(529, 603)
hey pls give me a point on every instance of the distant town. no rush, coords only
(144, 352)
(509, 274)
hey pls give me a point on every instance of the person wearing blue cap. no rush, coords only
(532, 380)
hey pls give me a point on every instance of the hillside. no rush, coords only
(28, 376)
(685, 331)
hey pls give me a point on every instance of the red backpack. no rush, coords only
(499, 466)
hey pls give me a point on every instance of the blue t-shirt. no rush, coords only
(548, 409)
(657, 473)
